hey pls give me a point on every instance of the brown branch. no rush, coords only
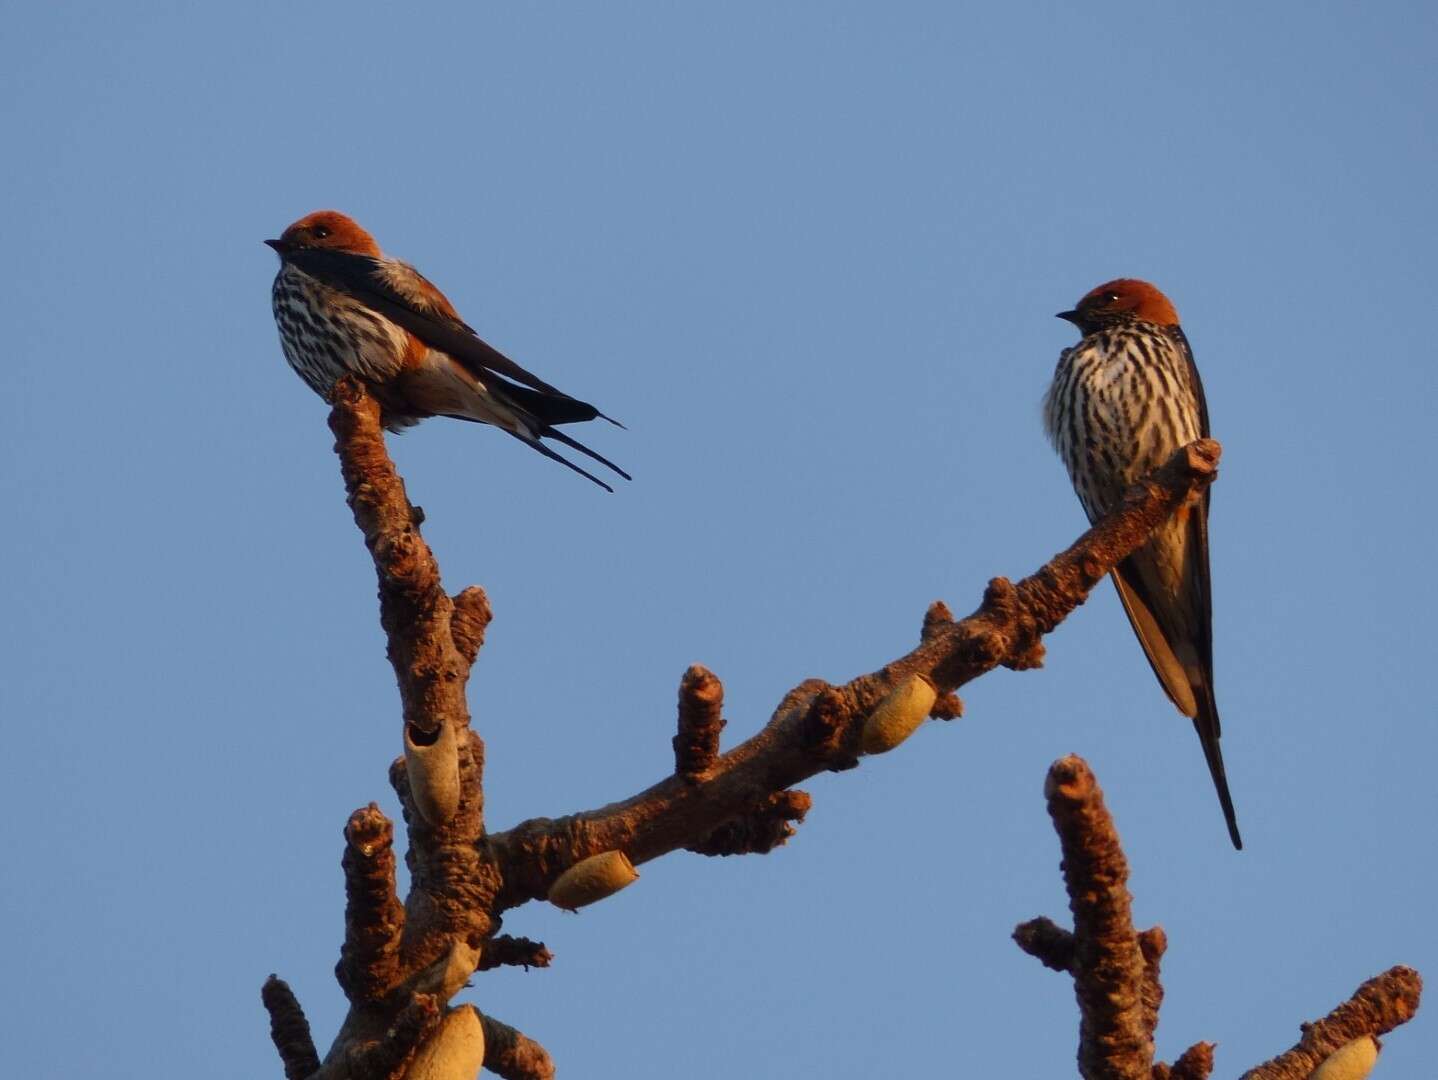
(470, 620)
(415, 611)
(509, 951)
(761, 830)
(385, 1058)
(1376, 1008)
(1195, 1063)
(374, 918)
(1116, 971)
(452, 882)
(432, 642)
(512, 1054)
(1152, 943)
(1057, 949)
(936, 620)
(817, 726)
(701, 700)
(461, 879)
(1047, 942)
(1109, 968)
(289, 1029)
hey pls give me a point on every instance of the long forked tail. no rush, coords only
(1207, 726)
(534, 443)
(574, 444)
(549, 431)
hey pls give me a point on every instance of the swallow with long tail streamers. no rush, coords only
(1123, 399)
(343, 307)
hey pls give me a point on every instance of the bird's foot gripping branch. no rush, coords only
(402, 963)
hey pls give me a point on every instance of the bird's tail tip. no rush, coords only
(1206, 724)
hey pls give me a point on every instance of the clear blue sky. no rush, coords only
(811, 255)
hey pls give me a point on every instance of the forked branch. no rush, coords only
(401, 965)
(1116, 969)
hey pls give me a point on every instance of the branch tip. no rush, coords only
(767, 826)
(936, 619)
(1118, 992)
(469, 620)
(1376, 1008)
(511, 1054)
(701, 704)
(1195, 1063)
(506, 951)
(1047, 942)
(374, 918)
(289, 1030)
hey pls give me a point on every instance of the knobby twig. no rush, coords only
(385, 1057)
(701, 700)
(374, 918)
(1116, 969)
(742, 801)
(761, 830)
(817, 726)
(512, 1054)
(289, 1029)
(1109, 970)
(415, 611)
(1195, 1063)
(514, 952)
(1376, 1008)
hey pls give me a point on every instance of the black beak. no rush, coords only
(281, 246)
(1066, 316)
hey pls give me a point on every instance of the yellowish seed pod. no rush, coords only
(1351, 1061)
(434, 774)
(592, 879)
(899, 715)
(456, 1049)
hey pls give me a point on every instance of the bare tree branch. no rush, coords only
(1115, 1037)
(1152, 944)
(761, 830)
(469, 621)
(289, 1029)
(415, 611)
(1195, 1063)
(1116, 970)
(1047, 942)
(399, 966)
(817, 725)
(514, 952)
(512, 1054)
(1376, 1008)
(374, 918)
(701, 700)
(385, 1057)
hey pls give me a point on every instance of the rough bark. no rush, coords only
(816, 727)
(1116, 968)
(401, 964)
(1109, 970)
(1376, 1008)
(512, 1054)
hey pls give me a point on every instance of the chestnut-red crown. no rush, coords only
(327, 229)
(1121, 300)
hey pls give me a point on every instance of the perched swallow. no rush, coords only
(343, 307)
(1122, 400)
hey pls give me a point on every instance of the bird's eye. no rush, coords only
(320, 232)
(1110, 298)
